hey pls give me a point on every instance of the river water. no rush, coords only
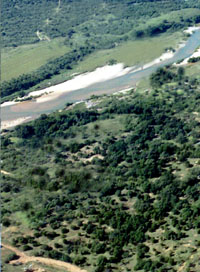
(33, 109)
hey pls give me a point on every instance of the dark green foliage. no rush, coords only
(22, 19)
(161, 77)
(143, 194)
(193, 60)
(11, 257)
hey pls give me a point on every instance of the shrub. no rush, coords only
(11, 257)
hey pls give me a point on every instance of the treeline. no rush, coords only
(54, 67)
(46, 126)
(164, 75)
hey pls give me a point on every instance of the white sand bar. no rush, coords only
(82, 81)
(191, 29)
(9, 103)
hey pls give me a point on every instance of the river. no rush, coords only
(34, 110)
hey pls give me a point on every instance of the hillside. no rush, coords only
(80, 21)
(109, 185)
(49, 40)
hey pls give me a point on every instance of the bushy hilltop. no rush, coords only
(112, 187)
(102, 22)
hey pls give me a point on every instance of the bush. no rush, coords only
(26, 247)
(79, 260)
(11, 257)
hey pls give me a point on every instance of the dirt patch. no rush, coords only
(47, 261)
(5, 172)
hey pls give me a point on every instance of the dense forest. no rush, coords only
(86, 26)
(109, 187)
(89, 19)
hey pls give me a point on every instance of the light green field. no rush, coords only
(27, 58)
(131, 52)
(193, 69)
(173, 16)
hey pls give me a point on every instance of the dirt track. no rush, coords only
(50, 262)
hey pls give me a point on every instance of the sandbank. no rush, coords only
(81, 81)
(8, 103)
(13, 123)
(191, 29)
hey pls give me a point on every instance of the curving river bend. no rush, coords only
(34, 109)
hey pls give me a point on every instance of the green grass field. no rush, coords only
(27, 58)
(193, 69)
(173, 16)
(131, 52)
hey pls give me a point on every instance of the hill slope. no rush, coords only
(113, 186)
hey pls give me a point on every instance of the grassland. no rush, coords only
(27, 58)
(173, 16)
(193, 69)
(132, 52)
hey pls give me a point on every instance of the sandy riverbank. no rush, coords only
(9, 103)
(84, 80)
(191, 29)
(13, 123)
(101, 74)
(81, 81)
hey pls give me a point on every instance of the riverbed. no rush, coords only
(110, 82)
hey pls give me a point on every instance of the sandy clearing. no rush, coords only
(47, 261)
(123, 91)
(163, 57)
(5, 172)
(15, 122)
(42, 37)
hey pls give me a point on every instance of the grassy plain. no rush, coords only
(27, 58)
(193, 69)
(131, 52)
